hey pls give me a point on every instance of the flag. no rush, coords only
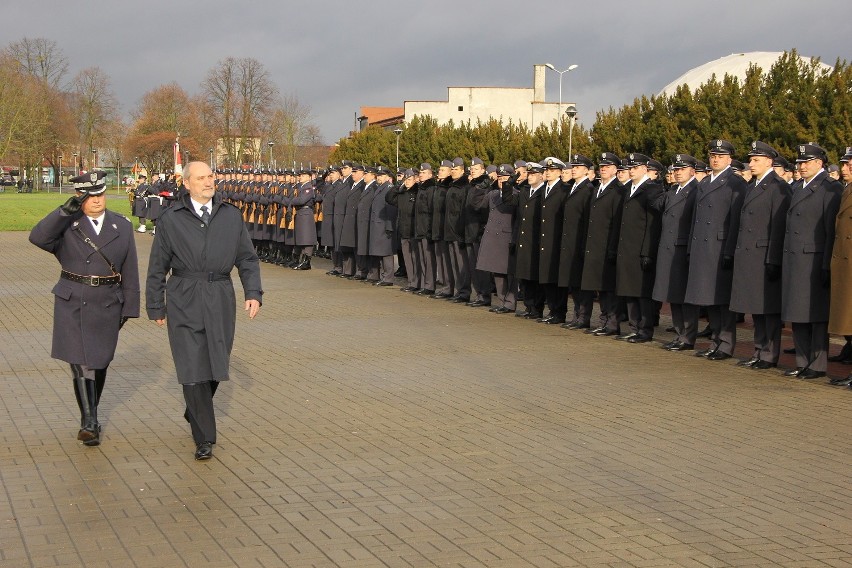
(178, 164)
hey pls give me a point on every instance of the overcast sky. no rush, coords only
(339, 55)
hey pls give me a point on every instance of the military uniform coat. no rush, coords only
(365, 203)
(439, 209)
(140, 203)
(86, 319)
(475, 217)
(638, 236)
(200, 313)
(840, 316)
(349, 230)
(550, 232)
(494, 248)
(602, 238)
(454, 209)
(327, 228)
(672, 270)
(340, 199)
(382, 223)
(404, 201)
(714, 235)
(527, 231)
(575, 220)
(423, 210)
(760, 242)
(305, 227)
(808, 243)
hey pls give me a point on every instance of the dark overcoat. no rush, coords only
(404, 200)
(760, 242)
(550, 232)
(808, 241)
(672, 264)
(575, 226)
(454, 209)
(714, 236)
(840, 316)
(423, 209)
(340, 199)
(527, 230)
(327, 228)
(602, 238)
(349, 231)
(382, 223)
(475, 217)
(198, 299)
(638, 236)
(494, 248)
(365, 204)
(140, 202)
(86, 319)
(305, 227)
(439, 208)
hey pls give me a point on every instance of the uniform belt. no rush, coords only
(209, 276)
(90, 280)
(305, 207)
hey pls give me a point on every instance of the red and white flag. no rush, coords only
(178, 164)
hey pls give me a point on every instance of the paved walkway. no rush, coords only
(365, 427)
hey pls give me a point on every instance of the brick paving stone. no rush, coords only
(366, 427)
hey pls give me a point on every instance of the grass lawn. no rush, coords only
(21, 211)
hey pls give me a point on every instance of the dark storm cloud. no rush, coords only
(339, 55)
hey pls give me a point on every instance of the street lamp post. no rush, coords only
(60, 173)
(75, 154)
(561, 73)
(211, 158)
(94, 158)
(571, 113)
(270, 144)
(397, 131)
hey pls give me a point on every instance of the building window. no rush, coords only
(461, 108)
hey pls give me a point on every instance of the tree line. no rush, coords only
(45, 116)
(794, 101)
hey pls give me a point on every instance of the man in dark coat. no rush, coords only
(423, 203)
(638, 240)
(549, 242)
(382, 230)
(475, 217)
(527, 232)
(806, 276)
(675, 206)
(756, 287)
(140, 201)
(495, 256)
(97, 291)
(713, 239)
(443, 265)
(604, 221)
(454, 232)
(305, 228)
(404, 198)
(331, 186)
(340, 199)
(575, 220)
(349, 227)
(365, 269)
(200, 241)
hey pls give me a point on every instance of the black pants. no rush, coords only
(199, 410)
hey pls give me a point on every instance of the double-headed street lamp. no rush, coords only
(571, 113)
(75, 154)
(561, 73)
(397, 131)
(270, 144)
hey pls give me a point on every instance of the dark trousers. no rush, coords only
(460, 265)
(479, 279)
(767, 336)
(444, 272)
(505, 289)
(348, 261)
(608, 302)
(811, 342)
(640, 316)
(199, 410)
(533, 296)
(685, 322)
(427, 264)
(337, 260)
(724, 324)
(386, 265)
(556, 298)
(410, 251)
(583, 302)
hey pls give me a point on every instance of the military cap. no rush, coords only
(609, 159)
(505, 170)
(683, 161)
(759, 148)
(91, 183)
(737, 166)
(848, 155)
(477, 161)
(370, 170)
(346, 164)
(446, 164)
(142, 176)
(534, 167)
(656, 166)
(519, 164)
(425, 166)
(701, 166)
(408, 173)
(491, 169)
(623, 164)
(832, 168)
(383, 171)
(457, 163)
(357, 167)
(810, 151)
(637, 159)
(720, 147)
(551, 163)
(580, 160)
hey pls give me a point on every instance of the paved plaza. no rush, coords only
(364, 427)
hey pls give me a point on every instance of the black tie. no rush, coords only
(205, 216)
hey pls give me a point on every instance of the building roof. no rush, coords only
(379, 114)
(735, 65)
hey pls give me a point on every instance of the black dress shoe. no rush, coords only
(718, 356)
(204, 451)
(359, 278)
(383, 284)
(332, 273)
(592, 330)
(638, 339)
(478, 303)
(705, 352)
(626, 336)
(671, 343)
(810, 374)
(838, 382)
(706, 332)
(532, 316)
(790, 351)
(408, 289)
(794, 372)
(749, 362)
(761, 365)
(425, 292)
(579, 325)
(370, 281)
(680, 346)
(440, 296)
(522, 314)
(555, 320)
(671, 329)
(461, 300)
(606, 333)
(501, 310)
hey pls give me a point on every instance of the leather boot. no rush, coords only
(305, 263)
(100, 381)
(86, 392)
(291, 261)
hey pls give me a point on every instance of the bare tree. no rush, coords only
(240, 97)
(289, 128)
(41, 58)
(94, 106)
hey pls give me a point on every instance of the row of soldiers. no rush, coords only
(148, 200)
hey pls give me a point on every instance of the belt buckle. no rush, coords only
(95, 280)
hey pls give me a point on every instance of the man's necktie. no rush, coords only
(205, 215)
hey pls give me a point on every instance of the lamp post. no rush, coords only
(270, 144)
(561, 73)
(571, 113)
(60, 173)
(397, 131)
(94, 158)
(211, 158)
(75, 154)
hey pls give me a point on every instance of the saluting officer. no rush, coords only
(527, 233)
(575, 225)
(496, 250)
(97, 291)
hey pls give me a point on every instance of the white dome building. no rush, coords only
(735, 65)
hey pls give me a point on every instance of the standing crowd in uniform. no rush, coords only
(721, 239)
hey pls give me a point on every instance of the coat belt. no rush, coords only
(90, 280)
(208, 276)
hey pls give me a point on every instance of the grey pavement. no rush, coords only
(365, 427)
